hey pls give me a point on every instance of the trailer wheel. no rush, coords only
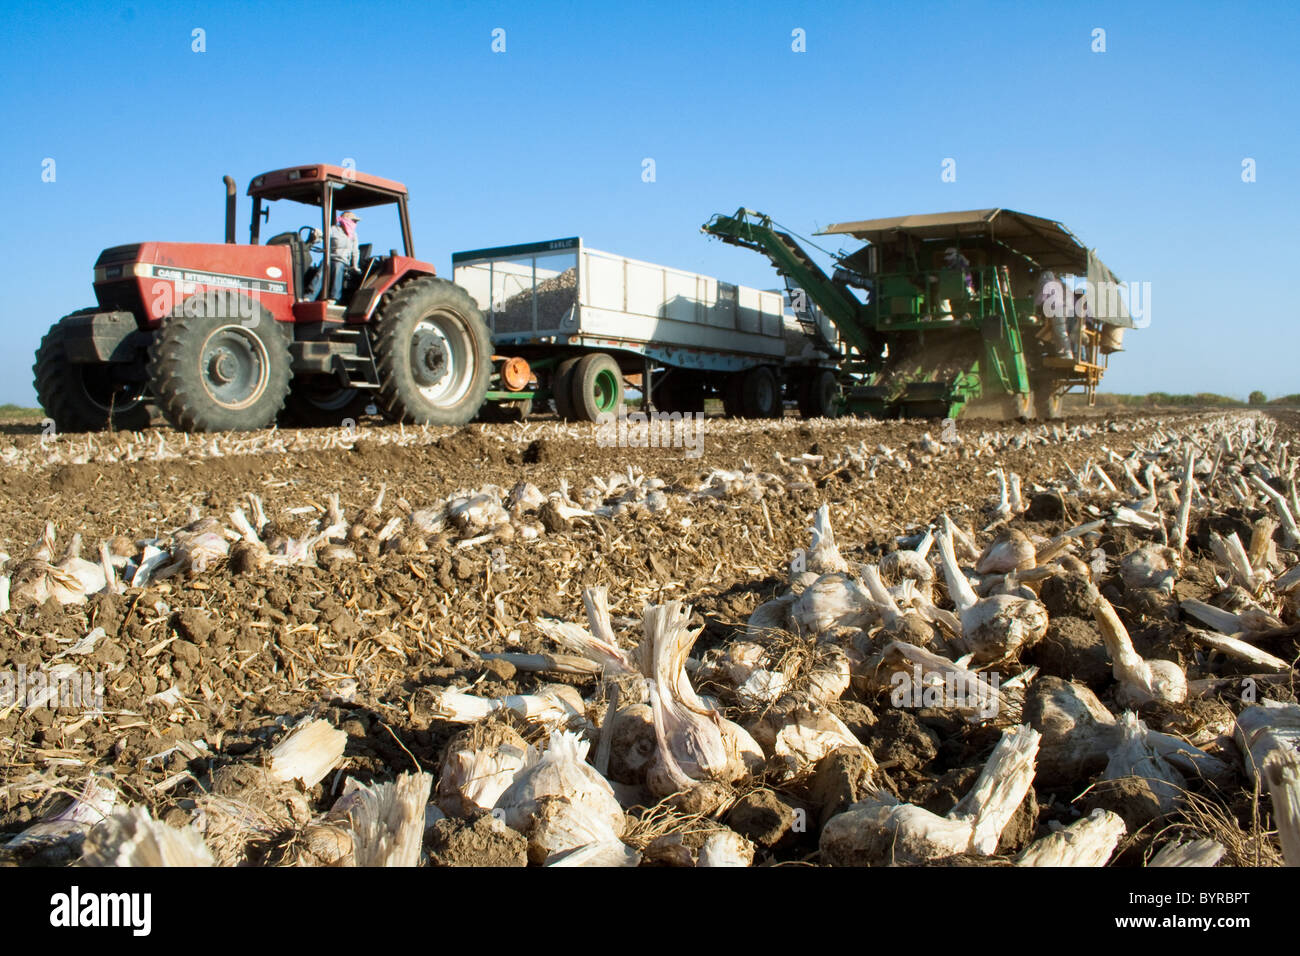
(216, 366)
(732, 395)
(83, 398)
(597, 387)
(321, 403)
(682, 392)
(433, 353)
(760, 395)
(562, 388)
(818, 393)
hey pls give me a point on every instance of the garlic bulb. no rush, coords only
(1150, 566)
(563, 798)
(696, 743)
(480, 765)
(834, 600)
(1140, 681)
(993, 629)
(1010, 551)
(882, 830)
(824, 557)
(798, 733)
(725, 848)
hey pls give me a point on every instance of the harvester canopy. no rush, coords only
(1044, 243)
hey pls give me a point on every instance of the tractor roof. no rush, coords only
(302, 184)
(1045, 241)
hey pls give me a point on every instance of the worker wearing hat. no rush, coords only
(345, 250)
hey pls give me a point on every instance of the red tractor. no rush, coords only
(229, 336)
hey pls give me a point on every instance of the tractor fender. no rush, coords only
(392, 272)
(91, 337)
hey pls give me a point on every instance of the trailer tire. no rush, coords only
(213, 368)
(818, 393)
(433, 353)
(597, 387)
(77, 397)
(562, 388)
(760, 394)
(732, 395)
(682, 392)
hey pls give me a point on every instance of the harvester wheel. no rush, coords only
(220, 364)
(322, 403)
(81, 398)
(562, 388)
(817, 395)
(597, 387)
(760, 395)
(433, 354)
(1024, 406)
(1050, 403)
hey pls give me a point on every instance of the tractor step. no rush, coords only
(340, 351)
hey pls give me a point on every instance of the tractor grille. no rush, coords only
(120, 296)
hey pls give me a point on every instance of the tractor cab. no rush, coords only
(332, 190)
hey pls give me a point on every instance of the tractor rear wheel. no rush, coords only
(82, 398)
(817, 395)
(597, 387)
(220, 364)
(318, 402)
(562, 388)
(433, 353)
(760, 395)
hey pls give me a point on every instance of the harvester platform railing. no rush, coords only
(1088, 365)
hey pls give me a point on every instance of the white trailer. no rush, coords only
(588, 321)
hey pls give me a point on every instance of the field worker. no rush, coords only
(345, 250)
(1051, 303)
(955, 260)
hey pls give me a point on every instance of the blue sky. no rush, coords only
(1138, 150)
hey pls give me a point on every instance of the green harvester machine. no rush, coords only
(936, 314)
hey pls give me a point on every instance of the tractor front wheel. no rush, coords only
(84, 397)
(433, 353)
(220, 364)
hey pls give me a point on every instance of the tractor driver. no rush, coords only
(345, 253)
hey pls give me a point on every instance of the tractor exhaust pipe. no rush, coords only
(230, 208)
